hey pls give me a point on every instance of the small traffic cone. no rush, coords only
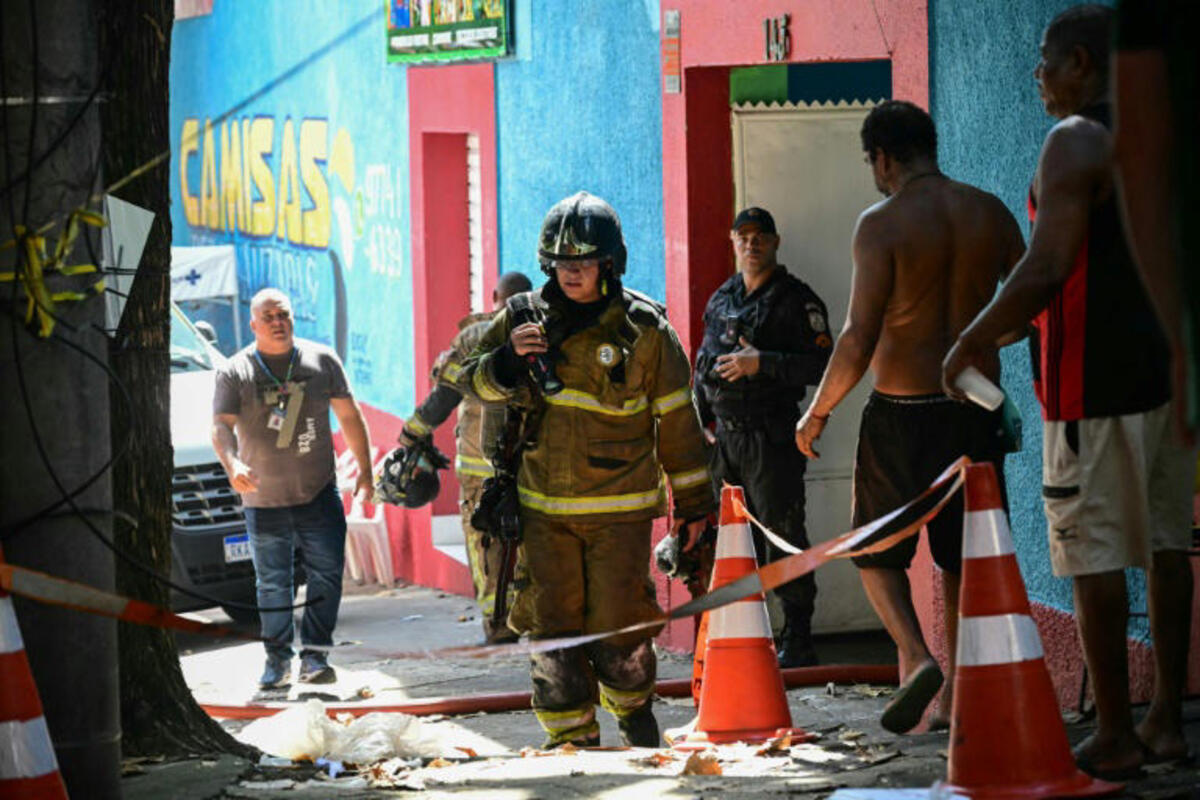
(742, 698)
(28, 768)
(1007, 738)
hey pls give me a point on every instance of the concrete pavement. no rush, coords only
(851, 749)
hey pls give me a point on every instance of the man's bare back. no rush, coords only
(948, 245)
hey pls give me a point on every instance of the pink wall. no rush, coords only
(414, 559)
(697, 150)
(445, 104)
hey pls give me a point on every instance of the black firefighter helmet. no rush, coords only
(409, 476)
(579, 228)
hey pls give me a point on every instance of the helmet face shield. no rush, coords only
(581, 227)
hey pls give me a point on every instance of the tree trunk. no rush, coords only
(158, 713)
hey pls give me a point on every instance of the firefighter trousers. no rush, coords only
(584, 578)
(484, 562)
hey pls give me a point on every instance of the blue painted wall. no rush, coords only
(352, 167)
(583, 112)
(577, 107)
(990, 127)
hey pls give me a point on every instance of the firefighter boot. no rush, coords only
(639, 729)
(795, 640)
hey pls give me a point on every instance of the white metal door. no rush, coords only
(804, 165)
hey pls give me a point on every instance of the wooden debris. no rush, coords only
(779, 746)
(700, 764)
(658, 758)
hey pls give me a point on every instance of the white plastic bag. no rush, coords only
(306, 733)
(298, 733)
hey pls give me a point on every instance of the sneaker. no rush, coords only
(640, 729)
(277, 673)
(314, 668)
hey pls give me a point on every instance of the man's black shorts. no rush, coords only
(903, 444)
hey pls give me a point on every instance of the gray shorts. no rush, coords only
(1116, 490)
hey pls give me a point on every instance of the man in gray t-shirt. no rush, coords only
(271, 431)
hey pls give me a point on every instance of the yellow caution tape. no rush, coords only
(40, 302)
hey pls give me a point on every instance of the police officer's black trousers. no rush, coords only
(764, 461)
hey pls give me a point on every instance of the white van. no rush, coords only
(210, 548)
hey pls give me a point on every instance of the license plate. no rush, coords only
(237, 548)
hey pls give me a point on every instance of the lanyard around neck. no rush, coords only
(286, 378)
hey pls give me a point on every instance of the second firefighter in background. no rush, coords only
(473, 438)
(591, 484)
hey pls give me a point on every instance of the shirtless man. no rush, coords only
(1117, 484)
(926, 260)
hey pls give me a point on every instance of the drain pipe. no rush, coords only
(520, 701)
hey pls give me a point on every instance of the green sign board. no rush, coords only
(447, 30)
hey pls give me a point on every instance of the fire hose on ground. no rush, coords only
(500, 702)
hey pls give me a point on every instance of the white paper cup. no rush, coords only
(979, 389)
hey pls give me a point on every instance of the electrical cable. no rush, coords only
(21, 267)
(126, 441)
(84, 516)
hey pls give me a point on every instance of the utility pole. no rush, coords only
(54, 402)
(158, 713)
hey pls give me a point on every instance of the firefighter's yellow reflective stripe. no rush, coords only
(555, 721)
(573, 398)
(669, 402)
(418, 426)
(469, 465)
(482, 384)
(610, 504)
(622, 703)
(686, 480)
(451, 371)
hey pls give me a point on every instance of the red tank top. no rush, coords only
(1098, 350)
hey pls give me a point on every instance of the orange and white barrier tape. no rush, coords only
(63, 593)
(873, 537)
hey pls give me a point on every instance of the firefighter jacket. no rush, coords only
(786, 321)
(624, 417)
(477, 427)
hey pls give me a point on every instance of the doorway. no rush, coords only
(803, 163)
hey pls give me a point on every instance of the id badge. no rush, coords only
(276, 418)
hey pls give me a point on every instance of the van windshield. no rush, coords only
(188, 353)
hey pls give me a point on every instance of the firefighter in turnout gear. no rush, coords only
(616, 412)
(766, 337)
(473, 438)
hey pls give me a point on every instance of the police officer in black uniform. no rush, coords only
(766, 337)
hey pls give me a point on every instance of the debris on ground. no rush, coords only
(780, 745)
(658, 758)
(136, 764)
(701, 764)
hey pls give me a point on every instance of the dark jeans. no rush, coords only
(762, 458)
(318, 529)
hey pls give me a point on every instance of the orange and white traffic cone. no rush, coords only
(1007, 738)
(742, 696)
(28, 768)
